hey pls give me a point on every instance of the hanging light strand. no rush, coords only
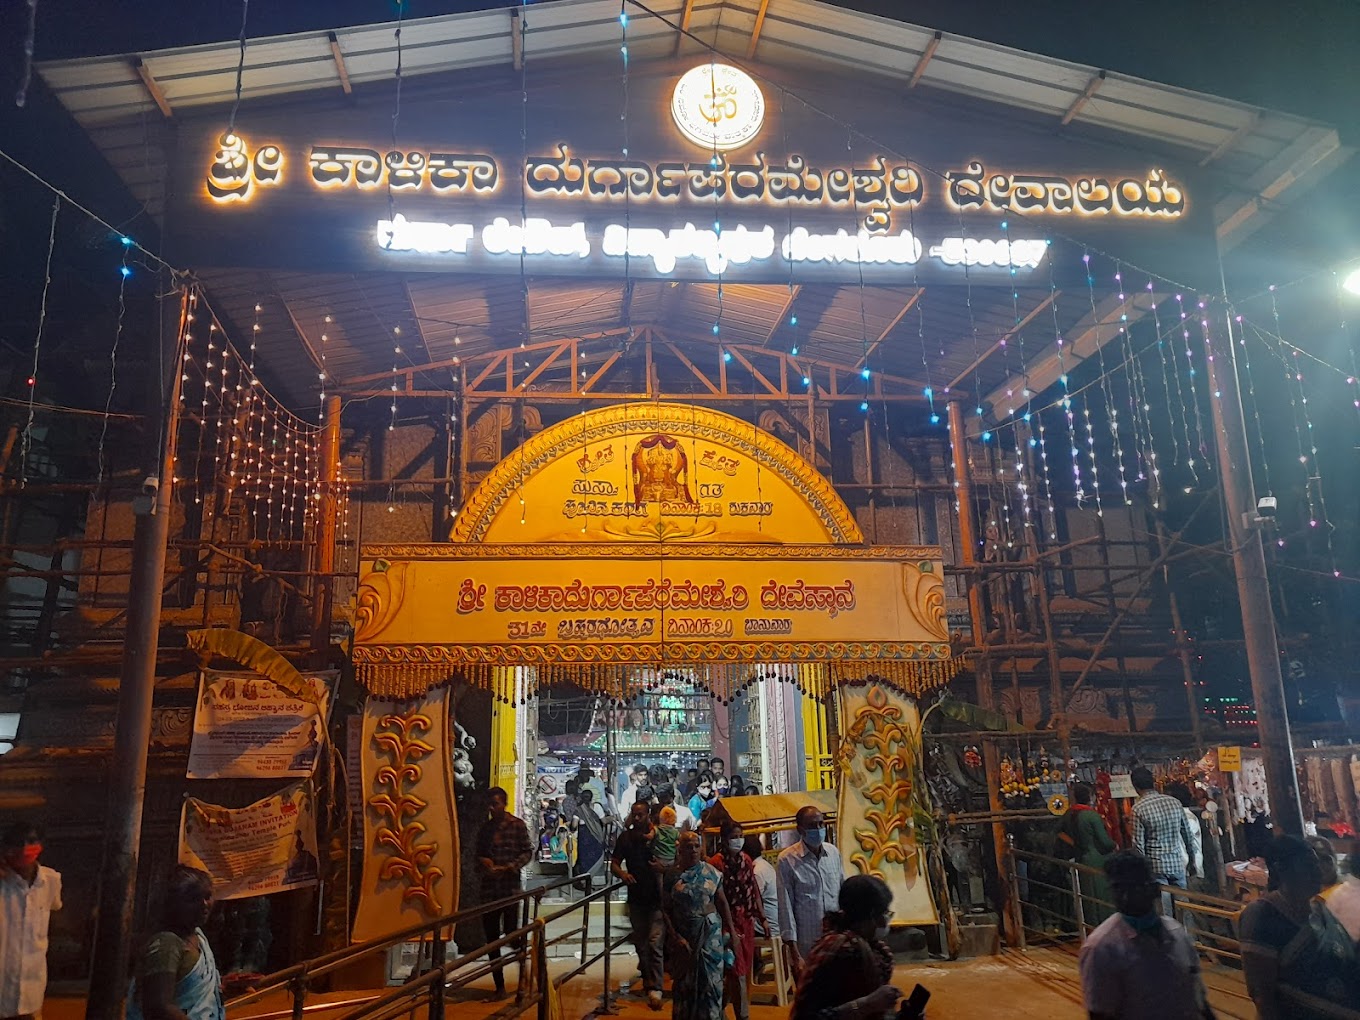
(1111, 407)
(27, 441)
(1017, 440)
(1066, 401)
(123, 273)
(1199, 451)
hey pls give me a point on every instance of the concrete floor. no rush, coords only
(1040, 983)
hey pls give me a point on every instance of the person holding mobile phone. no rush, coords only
(848, 973)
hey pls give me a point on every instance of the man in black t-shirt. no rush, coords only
(632, 864)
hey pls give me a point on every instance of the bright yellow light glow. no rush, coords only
(718, 107)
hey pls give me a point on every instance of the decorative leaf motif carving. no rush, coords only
(890, 838)
(400, 807)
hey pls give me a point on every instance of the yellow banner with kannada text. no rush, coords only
(647, 604)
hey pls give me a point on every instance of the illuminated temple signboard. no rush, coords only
(738, 193)
(450, 607)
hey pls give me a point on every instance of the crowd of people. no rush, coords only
(1300, 941)
(698, 917)
(592, 814)
(704, 919)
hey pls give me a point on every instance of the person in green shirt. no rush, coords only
(1092, 845)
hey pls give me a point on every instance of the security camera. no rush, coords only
(144, 503)
(1263, 515)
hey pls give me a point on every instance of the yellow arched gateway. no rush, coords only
(629, 541)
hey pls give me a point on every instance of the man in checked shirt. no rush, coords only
(1161, 832)
(503, 850)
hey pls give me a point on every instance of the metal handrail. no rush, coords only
(429, 989)
(1183, 902)
(296, 977)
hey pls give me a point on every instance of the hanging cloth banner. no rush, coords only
(266, 847)
(615, 617)
(410, 851)
(246, 727)
(883, 797)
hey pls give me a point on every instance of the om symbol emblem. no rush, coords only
(718, 107)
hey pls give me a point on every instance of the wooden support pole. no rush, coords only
(991, 757)
(339, 59)
(325, 532)
(153, 87)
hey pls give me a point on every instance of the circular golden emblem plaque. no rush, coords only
(718, 107)
(1057, 804)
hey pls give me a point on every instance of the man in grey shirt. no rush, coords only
(1138, 965)
(809, 879)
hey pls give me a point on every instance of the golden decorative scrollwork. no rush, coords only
(644, 551)
(878, 728)
(401, 831)
(379, 598)
(607, 423)
(924, 588)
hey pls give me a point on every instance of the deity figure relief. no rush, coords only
(660, 471)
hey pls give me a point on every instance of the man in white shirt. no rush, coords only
(768, 885)
(809, 877)
(636, 780)
(29, 892)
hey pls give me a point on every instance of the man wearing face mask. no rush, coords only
(809, 877)
(1138, 964)
(29, 892)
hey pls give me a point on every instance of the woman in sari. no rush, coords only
(1291, 968)
(697, 915)
(177, 976)
(743, 896)
(848, 973)
(590, 834)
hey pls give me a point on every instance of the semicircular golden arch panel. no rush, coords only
(655, 472)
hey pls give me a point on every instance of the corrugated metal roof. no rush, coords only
(1270, 153)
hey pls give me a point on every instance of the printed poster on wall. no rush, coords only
(246, 727)
(266, 847)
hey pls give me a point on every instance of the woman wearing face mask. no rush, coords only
(743, 896)
(704, 797)
(848, 974)
(697, 918)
